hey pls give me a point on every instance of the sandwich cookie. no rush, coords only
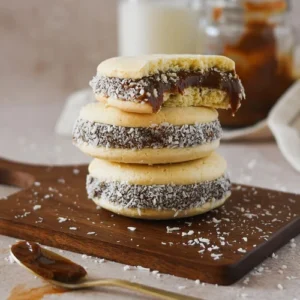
(160, 191)
(144, 84)
(172, 135)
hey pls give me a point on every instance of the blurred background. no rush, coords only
(51, 48)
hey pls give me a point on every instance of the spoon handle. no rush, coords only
(147, 290)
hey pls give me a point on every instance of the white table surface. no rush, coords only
(27, 134)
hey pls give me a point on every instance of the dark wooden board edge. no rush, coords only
(113, 252)
(225, 274)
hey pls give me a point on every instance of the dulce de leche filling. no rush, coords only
(151, 89)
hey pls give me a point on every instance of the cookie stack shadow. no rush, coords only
(153, 134)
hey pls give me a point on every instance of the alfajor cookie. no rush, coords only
(172, 135)
(146, 83)
(160, 191)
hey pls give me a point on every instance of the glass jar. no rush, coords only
(257, 36)
(157, 26)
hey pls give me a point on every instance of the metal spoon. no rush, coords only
(66, 274)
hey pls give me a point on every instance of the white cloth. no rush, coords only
(283, 123)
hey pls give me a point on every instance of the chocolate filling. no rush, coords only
(157, 136)
(169, 196)
(151, 89)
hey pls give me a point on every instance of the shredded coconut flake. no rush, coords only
(37, 207)
(131, 228)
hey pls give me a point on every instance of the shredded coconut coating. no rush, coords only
(141, 90)
(176, 197)
(158, 136)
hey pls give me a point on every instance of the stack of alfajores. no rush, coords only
(153, 132)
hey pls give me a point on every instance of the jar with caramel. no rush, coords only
(256, 35)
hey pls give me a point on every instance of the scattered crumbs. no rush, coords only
(61, 180)
(260, 269)
(197, 282)
(36, 207)
(61, 219)
(293, 243)
(241, 250)
(190, 232)
(84, 256)
(250, 216)
(36, 183)
(9, 259)
(176, 213)
(47, 196)
(131, 228)
(246, 280)
(275, 256)
(280, 271)
(245, 239)
(188, 223)
(292, 200)
(127, 268)
(171, 229)
(73, 228)
(279, 286)
(155, 272)
(91, 233)
(76, 171)
(163, 243)
(216, 221)
(203, 240)
(216, 256)
(40, 220)
(182, 287)
(283, 267)
(140, 268)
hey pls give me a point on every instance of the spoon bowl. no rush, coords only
(64, 273)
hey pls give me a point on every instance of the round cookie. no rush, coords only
(144, 84)
(161, 191)
(170, 136)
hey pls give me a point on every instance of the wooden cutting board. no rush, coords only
(219, 247)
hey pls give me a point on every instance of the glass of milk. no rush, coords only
(158, 26)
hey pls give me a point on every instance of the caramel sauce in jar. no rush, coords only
(255, 36)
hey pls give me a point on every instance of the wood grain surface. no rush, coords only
(219, 247)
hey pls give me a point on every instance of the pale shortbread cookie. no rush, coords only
(150, 156)
(172, 135)
(99, 112)
(142, 66)
(205, 169)
(154, 214)
(161, 191)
